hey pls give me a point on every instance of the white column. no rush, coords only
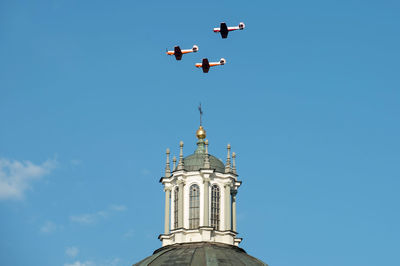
(206, 205)
(180, 203)
(227, 207)
(167, 208)
(234, 212)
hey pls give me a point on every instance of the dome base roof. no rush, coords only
(200, 253)
(195, 162)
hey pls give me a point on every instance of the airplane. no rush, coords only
(224, 30)
(178, 52)
(205, 65)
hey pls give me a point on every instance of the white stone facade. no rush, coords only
(205, 179)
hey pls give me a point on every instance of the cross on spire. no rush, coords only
(201, 112)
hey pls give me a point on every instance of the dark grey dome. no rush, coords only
(195, 162)
(200, 253)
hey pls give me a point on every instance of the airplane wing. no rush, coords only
(224, 30)
(205, 65)
(178, 53)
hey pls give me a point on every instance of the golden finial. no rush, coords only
(201, 133)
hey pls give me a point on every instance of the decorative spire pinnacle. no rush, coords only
(201, 133)
(228, 159)
(201, 113)
(174, 162)
(234, 162)
(180, 163)
(167, 168)
(207, 158)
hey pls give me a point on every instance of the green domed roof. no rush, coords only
(200, 253)
(195, 161)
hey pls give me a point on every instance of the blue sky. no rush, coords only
(308, 99)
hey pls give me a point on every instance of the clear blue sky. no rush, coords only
(309, 100)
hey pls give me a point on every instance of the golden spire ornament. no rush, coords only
(201, 133)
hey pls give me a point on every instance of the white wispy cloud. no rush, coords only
(48, 227)
(78, 263)
(129, 233)
(17, 176)
(118, 208)
(89, 218)
(71, 251)
(145, 172)
(113, 262)
(109, 262)
(76, 162)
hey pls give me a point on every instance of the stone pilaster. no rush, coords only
(206, 203)
(234, 211)
(180, 203)
(167, 209)
(228, 206)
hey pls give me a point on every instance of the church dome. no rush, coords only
(195, 162)
(200, 253)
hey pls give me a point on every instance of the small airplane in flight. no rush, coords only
(178, 52)
(205, 65)
(224, 30)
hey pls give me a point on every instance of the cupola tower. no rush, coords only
(200, 197)
(200, 210)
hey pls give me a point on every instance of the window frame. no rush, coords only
(176, 206)
(194, 206)
(215, 213)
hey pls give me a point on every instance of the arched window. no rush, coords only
(176, 202)
(215, 196)
(194, 207)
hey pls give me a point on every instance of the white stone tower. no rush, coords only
(200, 197)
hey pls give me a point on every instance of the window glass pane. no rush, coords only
(215, 208)
(176, 194)
(194, 207)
